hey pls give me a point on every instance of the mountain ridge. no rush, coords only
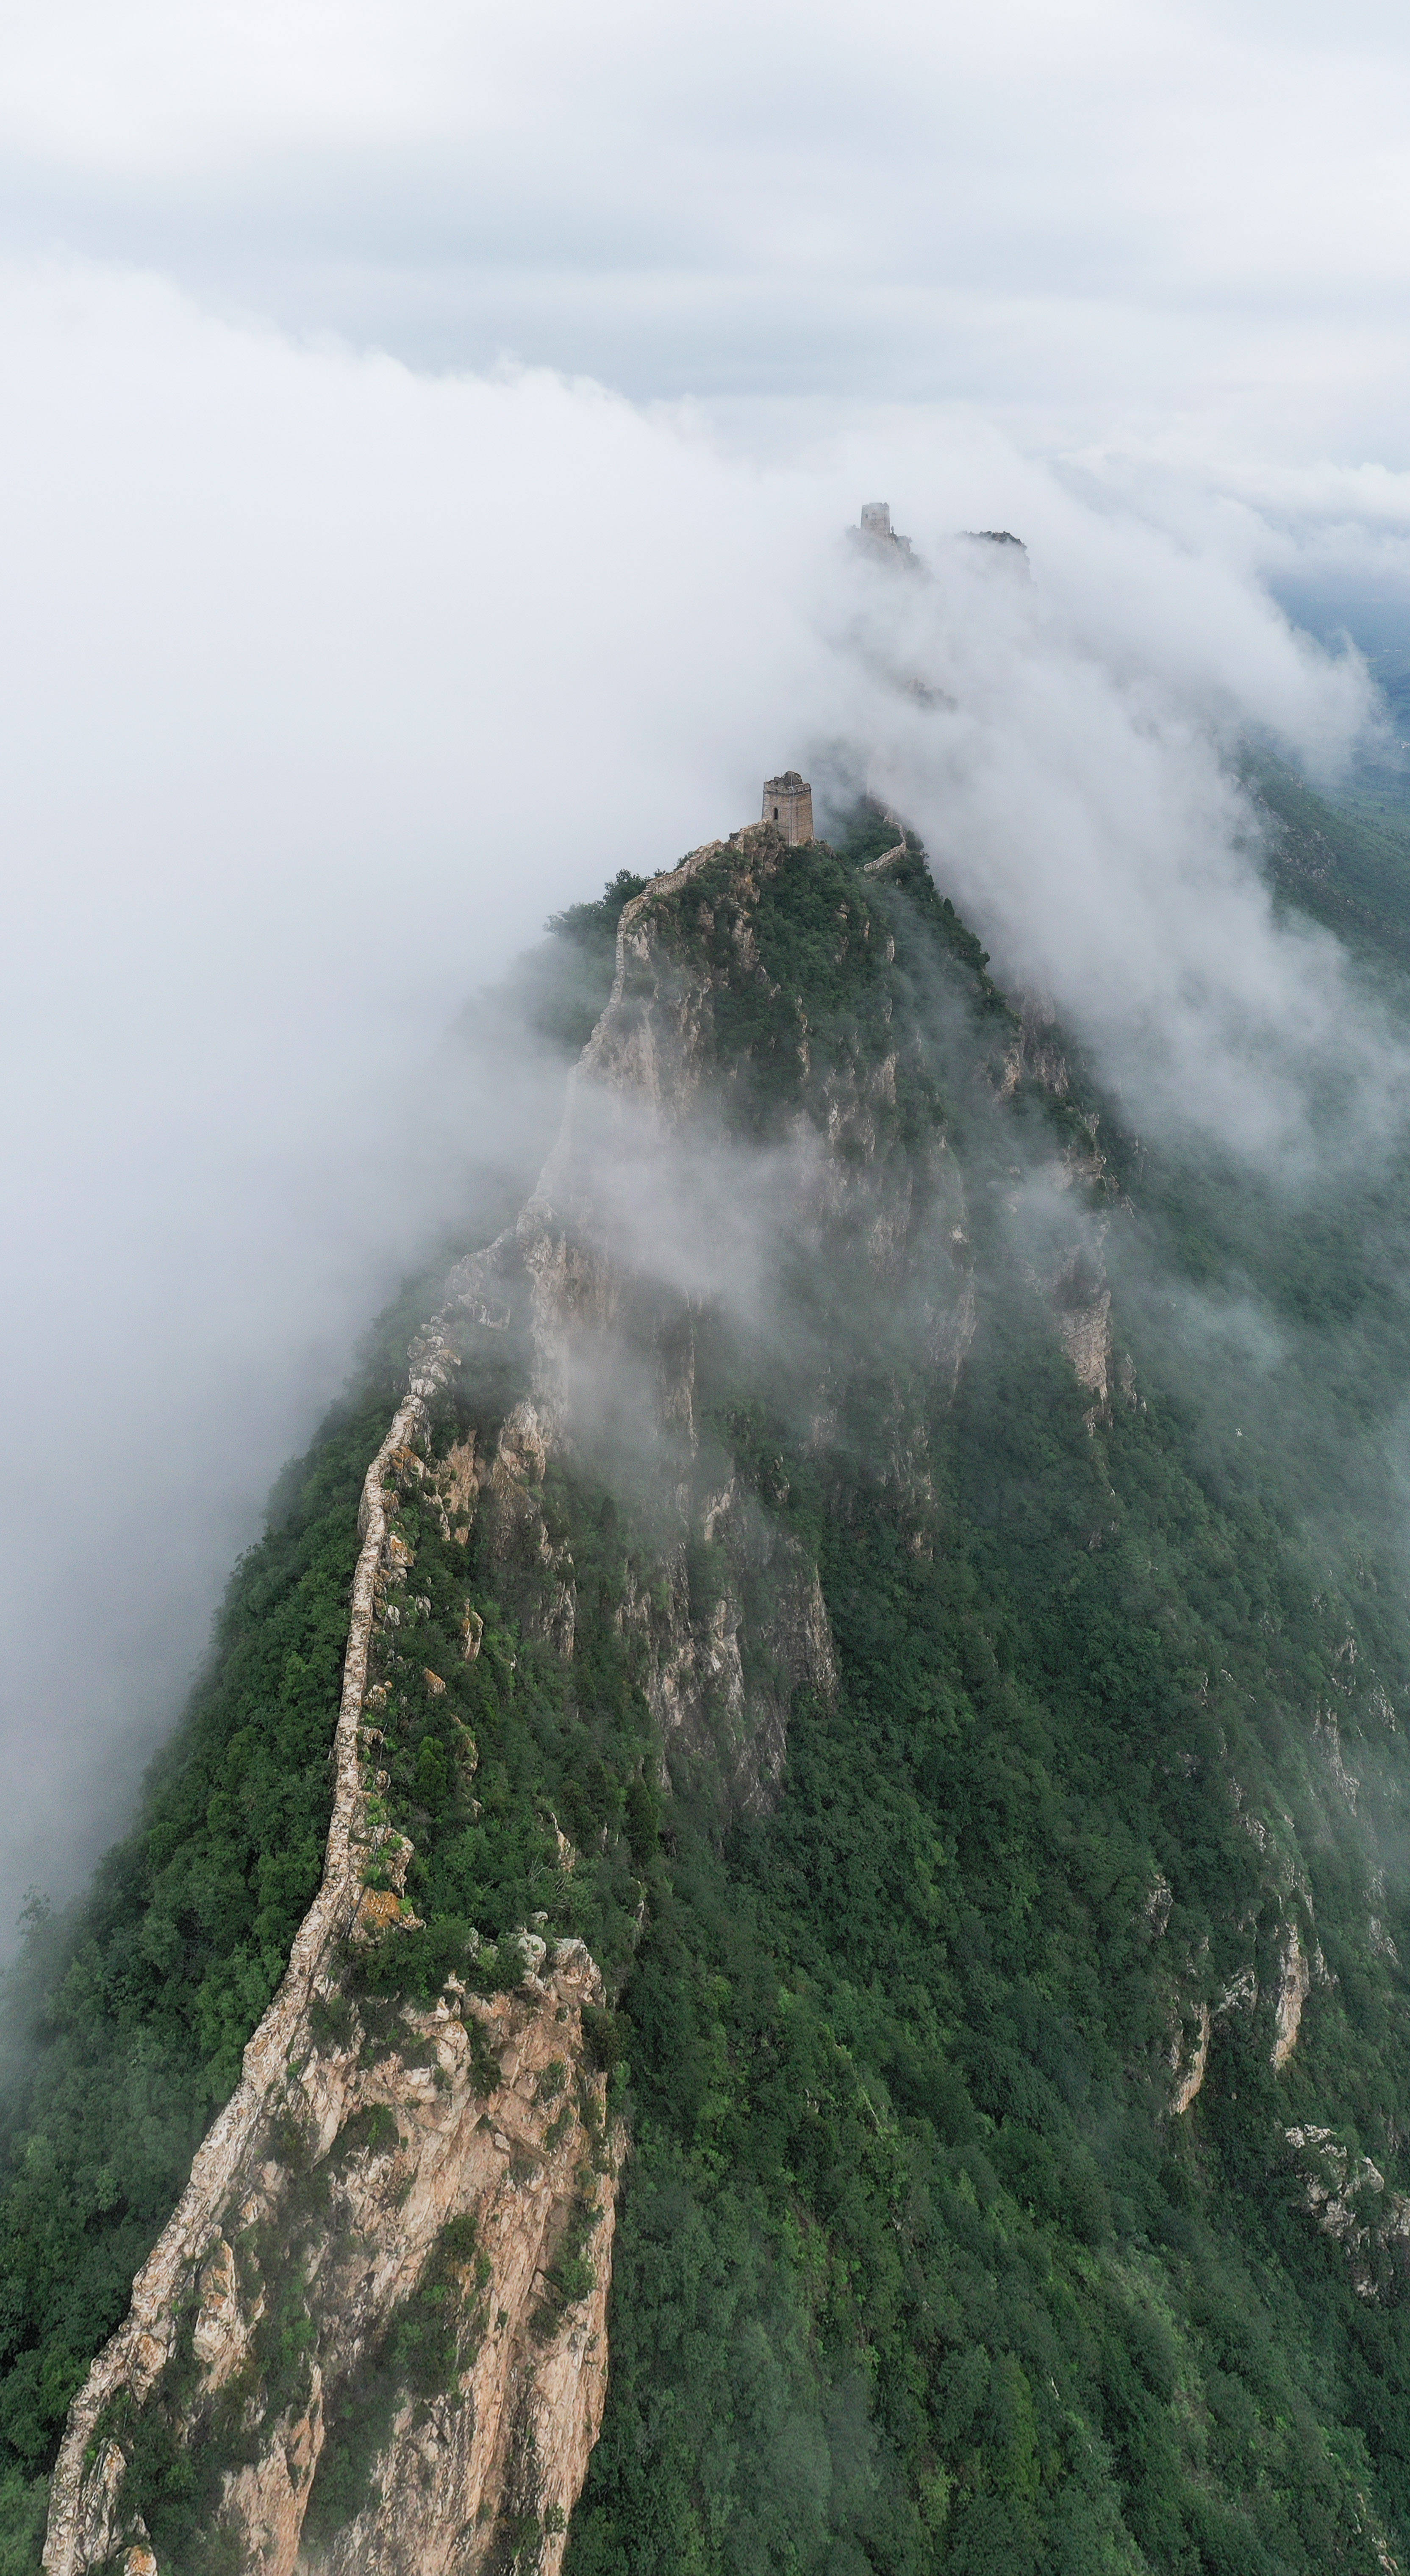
(970, 1908)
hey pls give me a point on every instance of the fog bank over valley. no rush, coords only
(328, 680)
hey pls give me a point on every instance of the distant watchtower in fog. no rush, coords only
(877, 532)
(788, 801)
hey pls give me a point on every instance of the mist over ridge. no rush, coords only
(369, 672)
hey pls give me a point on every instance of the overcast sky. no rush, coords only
(424, 437)
(1106, 219)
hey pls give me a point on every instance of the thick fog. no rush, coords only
(322, 685)
(1070, 754)
(323, 682)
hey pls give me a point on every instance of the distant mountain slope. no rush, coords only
(1346, 865)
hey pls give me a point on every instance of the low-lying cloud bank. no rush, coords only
(1068, 745)
(324, 683)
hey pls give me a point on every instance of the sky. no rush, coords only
(1103, 220)
(425, 440)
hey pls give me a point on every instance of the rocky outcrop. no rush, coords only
(1035, 1054)
(1326, 1734)
(517, 2169)
(433, 2235)
(1193, 2025)
(1070, 1270)
(720, 1602)
(1189, 2059)
(130, 2363)
(763, 1593)
(653, 1039)
(1294, 1987)
(1347, 2196)
(1192, 2029)
(611, 1307)
(1084, 1330)
(376, 2320)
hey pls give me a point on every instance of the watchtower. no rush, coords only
(788, 801)
(877, 532)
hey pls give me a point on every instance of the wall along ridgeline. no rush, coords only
(777, 1926)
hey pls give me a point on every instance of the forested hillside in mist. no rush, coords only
(1005, 2019)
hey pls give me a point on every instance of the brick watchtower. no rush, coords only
(788, 801)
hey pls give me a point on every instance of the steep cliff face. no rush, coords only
(376, 2323)
(391, 2181)
(812, 1747)
(88, 2481)
(614, 1318)
(393, 2349)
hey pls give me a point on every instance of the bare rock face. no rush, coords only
(693, 1670)
(1294, 1987)
(396, 2236)
(446, 2186)
(1085, 1333)
(85, 2511)
(636, 1219)
(654, 1038)
(1346, 2194)
(1189, 2058)
(510, 2195)
(1072, 1275)
(432, 2236)
(1269, 1990)
(1193, 2025)
(1035, 1054)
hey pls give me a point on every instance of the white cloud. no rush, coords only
(323, 681)
(322, 685)
(1111, 214)
(1074, 785)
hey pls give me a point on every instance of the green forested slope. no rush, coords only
(152, 1991)
(913, 2254)
(916, 2269)
(1348, 866)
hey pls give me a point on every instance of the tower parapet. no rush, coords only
(788, 801)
